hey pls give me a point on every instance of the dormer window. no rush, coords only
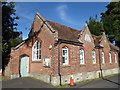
(36, 51)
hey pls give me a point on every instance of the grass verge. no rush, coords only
(2, 78)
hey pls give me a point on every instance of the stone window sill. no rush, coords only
(66, 65)
(82, 65)
(37, 61)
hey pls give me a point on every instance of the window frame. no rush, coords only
(110, 57)
(36, 51)
(94, 57)
(103, 57)
(82, 59)
(116, 61)
(66, 62)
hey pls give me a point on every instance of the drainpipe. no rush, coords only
(59, 61)
(99, 47)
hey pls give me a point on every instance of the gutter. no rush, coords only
(99, 47)
(59, 42)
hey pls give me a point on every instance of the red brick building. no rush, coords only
(53, 52)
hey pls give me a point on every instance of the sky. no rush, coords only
(71, 14)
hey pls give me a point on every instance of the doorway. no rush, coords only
(24, 66)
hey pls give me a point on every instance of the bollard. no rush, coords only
(71, 81)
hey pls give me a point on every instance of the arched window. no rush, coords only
(36, 51)
(110, 58)
(65, 55)
(82, 56)
(103, 57)
(94, 57)
(115, 58)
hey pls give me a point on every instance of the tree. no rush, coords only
(111, 22)
(10, 36)
(95, 26)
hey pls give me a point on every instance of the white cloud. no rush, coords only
(62, 13)
(65, 17)
(28, 16)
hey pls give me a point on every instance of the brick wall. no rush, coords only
(50, 50)
(46, 37)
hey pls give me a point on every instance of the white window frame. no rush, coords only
(103, 57)
(82, 58)
(110, 58)
(65, 55)
(116, 58)
(36, 51)
(94, 57)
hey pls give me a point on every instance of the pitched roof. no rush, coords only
(97, 39)
(64, 32)
(113, 47)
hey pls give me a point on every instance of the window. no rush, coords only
(93, 57)
(115, 58)
(110, 58)
(36, 51)
(103, 58)
(82, 56)
(65, 55)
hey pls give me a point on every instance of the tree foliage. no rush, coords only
(95, 26)
(111, 21)
(10, 36)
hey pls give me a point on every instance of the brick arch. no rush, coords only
(22, 55)
(36, 39)
(65, 46)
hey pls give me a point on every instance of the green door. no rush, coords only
(24, 66)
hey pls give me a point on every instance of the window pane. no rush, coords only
(93, 57)
(63, 59)
(81, 56)
(110, 57)
(36, 51)
(103, 60)
(65, 55)
(115, 58)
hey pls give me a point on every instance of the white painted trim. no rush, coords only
(66, 61)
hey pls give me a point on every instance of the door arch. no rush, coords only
(24, 66)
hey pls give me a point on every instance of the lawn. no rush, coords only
(4, 78)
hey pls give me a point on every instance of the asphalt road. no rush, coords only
(112, 82)
(25, 82)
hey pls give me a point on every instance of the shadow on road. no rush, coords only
(111, 81)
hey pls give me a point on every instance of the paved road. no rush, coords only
(28, 82)
(111, 82)
(25, 82)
